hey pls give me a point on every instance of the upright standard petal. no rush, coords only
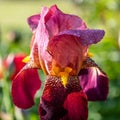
(33, 21)
(40, 41)
(74, 42)
(56, 21)
(76, 106)
(51, 22)
(24, 87)
(94, 83)
(67, 51)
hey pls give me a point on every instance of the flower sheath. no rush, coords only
(59, 47)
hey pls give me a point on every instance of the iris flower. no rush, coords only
(59, 47)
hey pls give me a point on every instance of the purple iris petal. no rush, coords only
(94, 83)
(86, 37)
(33, 21)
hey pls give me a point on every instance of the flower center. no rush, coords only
(63, 73)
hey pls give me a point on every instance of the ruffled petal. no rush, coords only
(77, 106)
(94, 83)
(50, 23)
(57, 21)
(33, 21)
(40, 41)
(86, 37)
(67, 50)
(24, 87)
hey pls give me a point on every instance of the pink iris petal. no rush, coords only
(41, 39)
(67, 50)
(33, 21)
(76, 106)
(94, 83)
(24, 87)
(56, 21)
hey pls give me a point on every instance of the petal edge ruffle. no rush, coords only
(86, 36)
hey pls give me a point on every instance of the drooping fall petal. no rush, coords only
(54, 95)
(76, 106)
(24, 87)
(94, 83)
(52, 99)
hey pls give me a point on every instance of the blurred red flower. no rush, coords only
(12, 63)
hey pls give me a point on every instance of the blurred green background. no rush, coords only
(15, 37)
